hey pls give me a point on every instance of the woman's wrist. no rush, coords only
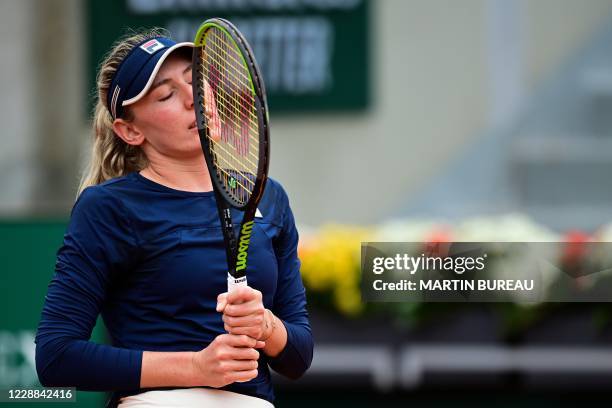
(277, 336)
(269, 325)
(195, 366)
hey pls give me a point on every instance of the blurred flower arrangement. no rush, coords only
(331, 260)
(331, 264)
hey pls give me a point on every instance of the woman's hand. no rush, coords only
(244, 313)
(212, 113)
(228, 358)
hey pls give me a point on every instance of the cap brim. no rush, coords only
(153, 73)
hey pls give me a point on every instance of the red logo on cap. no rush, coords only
(151, 46)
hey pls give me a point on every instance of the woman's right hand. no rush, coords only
(228, 358)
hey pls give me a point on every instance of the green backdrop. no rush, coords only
(27, 256)
(314, 54)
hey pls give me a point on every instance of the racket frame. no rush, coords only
(224, 200)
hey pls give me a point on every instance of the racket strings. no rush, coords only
(236, 152)
(230, 175)
(233, 73)
(234, 81)
(236, 96)
(228, 153)
(221, 160)
(241, 95)
(221, 96)
(232, 119)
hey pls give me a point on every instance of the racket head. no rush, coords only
(231, 113)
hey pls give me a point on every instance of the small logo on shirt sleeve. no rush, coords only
(151, 46)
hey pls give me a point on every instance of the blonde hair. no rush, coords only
(110, 156)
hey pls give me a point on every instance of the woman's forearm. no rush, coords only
(227, 359)
(168, 369)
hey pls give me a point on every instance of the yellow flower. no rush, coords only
(331, 261)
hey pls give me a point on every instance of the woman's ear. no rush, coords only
(128, 132)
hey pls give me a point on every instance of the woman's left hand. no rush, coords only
(244, 313)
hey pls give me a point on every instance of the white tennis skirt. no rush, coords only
(193, 397)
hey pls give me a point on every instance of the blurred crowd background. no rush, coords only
(406, 120)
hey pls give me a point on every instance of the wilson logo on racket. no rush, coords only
(243, 245)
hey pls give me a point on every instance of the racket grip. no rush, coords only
(233, 283)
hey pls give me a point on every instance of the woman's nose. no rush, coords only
(188, 96)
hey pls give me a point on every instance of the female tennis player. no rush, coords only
(144, 249)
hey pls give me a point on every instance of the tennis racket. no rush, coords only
(232, 120)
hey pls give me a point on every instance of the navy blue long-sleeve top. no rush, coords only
(151, 261)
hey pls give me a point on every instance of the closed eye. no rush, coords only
(165, 98)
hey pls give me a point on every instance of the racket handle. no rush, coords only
(233, 283)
